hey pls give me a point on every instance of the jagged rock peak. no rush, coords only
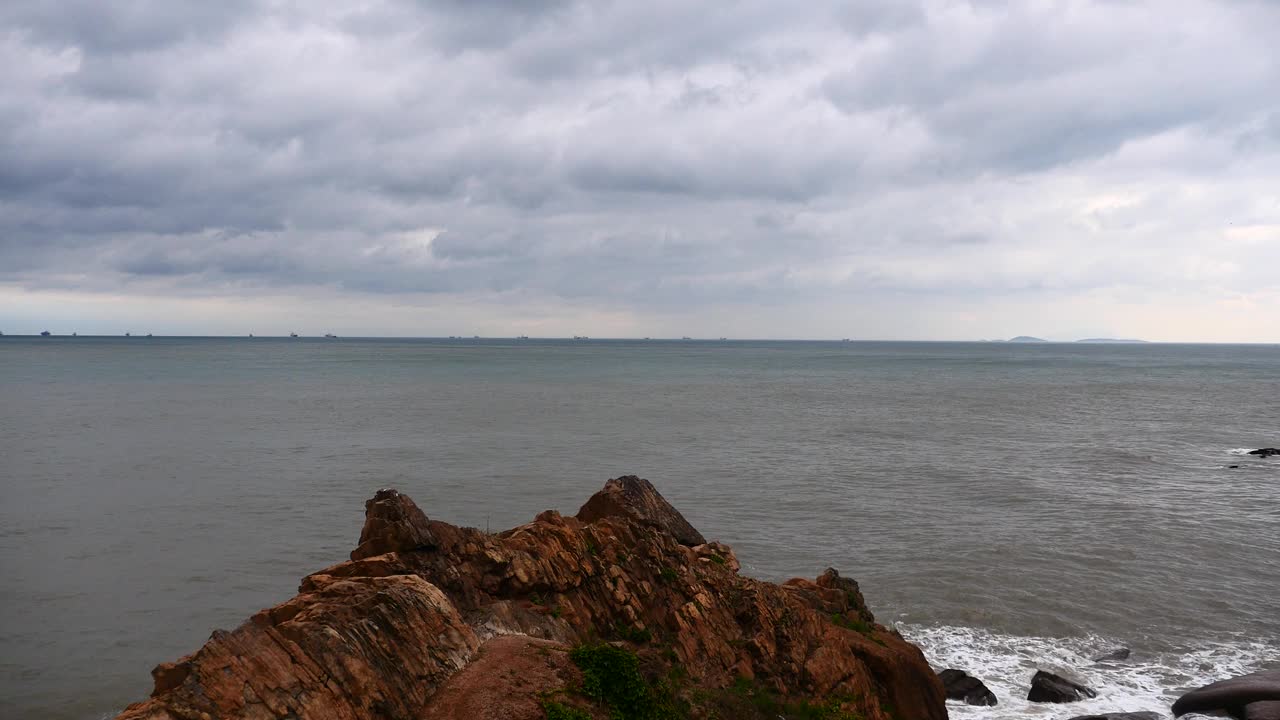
(637, 498)
(392, 523)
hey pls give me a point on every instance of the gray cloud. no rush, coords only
(644, 157)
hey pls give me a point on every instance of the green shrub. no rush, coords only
(559, 711)
(611, 677)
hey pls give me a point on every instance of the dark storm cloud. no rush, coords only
(650, 154)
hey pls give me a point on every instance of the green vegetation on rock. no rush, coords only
(559, 711)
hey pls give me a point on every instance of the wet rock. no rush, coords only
(1049, 688)
(392, 523)
(1265, 452)
(432, 620)
(1120, 716)
(1234, 695)
(637, 498)
(1114, 656)
(960, 685)
(1262, 711)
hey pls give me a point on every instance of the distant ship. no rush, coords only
(46, 333)
(126, 334)
(148, 334)
(330, 335)
(686, 337)
(522, 337)
(293, 334)
(580, 337)
(250, 334)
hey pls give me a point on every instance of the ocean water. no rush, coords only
(1009, 507)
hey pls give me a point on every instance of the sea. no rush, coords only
(1008, 507)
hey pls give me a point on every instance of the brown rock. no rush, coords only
(348, 649)
(395, 635)
(506, 681)
(637, 498)
(392, 523)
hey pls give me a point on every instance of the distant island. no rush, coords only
(1030, 339)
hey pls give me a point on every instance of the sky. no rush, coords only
(879, 169)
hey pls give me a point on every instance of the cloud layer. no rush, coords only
(942, 169)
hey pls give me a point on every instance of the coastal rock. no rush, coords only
(1114, 656)
(1265, 452)
(456, 622)
(392, 523)
(346, 648)
(1049, 688)
(638, 498)
(1120, 716)
(960, 685)
(1234, 696)
(1262, 711)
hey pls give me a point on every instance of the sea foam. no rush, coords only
(1146, 682)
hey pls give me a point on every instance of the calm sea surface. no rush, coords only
(1011, 506)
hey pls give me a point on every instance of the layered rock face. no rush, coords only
(429, 620)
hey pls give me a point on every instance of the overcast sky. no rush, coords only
(877, 169)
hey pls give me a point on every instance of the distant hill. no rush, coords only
(1110, 340)
(1027, 338)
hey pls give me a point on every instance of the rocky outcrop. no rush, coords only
(1049, 688)
(635, 497)
(455, 622)
(960, 685)
(392, 522)
(1252, 697)
(349, 648)
(1265, 452)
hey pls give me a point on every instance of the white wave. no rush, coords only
(1144, 683)
(1240, 451)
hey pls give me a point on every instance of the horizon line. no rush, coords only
(585, 338)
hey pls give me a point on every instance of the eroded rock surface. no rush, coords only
(636, 498)
(399, 634)
(392, 522)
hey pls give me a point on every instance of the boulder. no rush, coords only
(392, 523)
(1233, 696)
(1120, 716)
(1114, 656)
(960, 685)
(637, 498)
(1050, 688)
(1265, 452)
